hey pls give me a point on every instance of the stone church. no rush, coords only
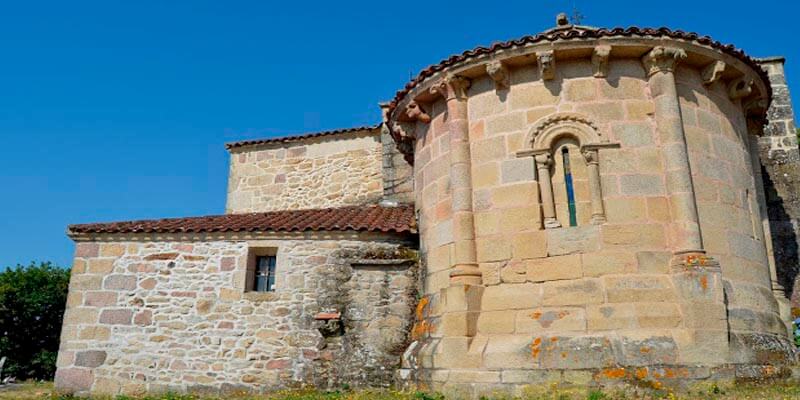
(585, 206)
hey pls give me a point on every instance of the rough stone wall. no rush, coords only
(398, 175)
(330, 171)
(781, 174)
(158, 316)
(727, 201)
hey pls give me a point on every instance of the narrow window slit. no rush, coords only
(573, 217)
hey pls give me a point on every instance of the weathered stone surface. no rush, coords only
(90, 359)
(120, 282)
(575, 292)
(72, 380)
(554, 268)
(346, 171)
(512, 296)
(116, 316)
(174, 320)
(639, 288)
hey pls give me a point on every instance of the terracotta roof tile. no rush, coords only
(295, 138)
(372, 218)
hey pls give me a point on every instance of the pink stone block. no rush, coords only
(228, 264)
(71, 380)
(87, 250)
(116, 317)
(143, 318)
(279, 364)
(120, 282)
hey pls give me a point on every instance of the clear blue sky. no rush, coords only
(116, 110)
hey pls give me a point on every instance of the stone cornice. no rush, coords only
(591, 45)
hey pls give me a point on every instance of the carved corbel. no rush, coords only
(590, 155)
(415, 113)
(755, 112)
(499, 74)
(713, 72)
(451, 87)
(600, 60)
(740, 87)
(662, 59)
(547, 64)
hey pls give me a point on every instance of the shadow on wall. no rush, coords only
(784, 238)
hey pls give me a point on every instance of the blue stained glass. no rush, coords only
(573, 217)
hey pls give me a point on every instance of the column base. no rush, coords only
(550, 223)
(598, 219)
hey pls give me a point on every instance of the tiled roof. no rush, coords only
(580, 33)
(371, 218)
(295, 138)
(404, 144)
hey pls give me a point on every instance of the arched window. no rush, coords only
(570, 184)
(565, 147)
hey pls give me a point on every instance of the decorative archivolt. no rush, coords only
(542, 139)
(550, 129)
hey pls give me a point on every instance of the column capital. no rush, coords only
(451, 87)
(662, 59)
(543, 159)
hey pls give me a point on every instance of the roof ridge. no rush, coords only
(298, 136)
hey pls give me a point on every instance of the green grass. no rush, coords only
(44, 391)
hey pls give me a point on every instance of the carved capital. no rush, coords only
(600, 60)
(713, 72)
(543, 160)
(499, 74)
(415, 113)
(547, 64)
(591, 156)
(451, 87)
(662, 59)
(741, 87)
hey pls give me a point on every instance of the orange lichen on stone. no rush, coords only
(644, 350)
(420, 329)
(421, 306)
(704, 282)
(613, 373)
(535, 350)
(641, 373)
(536, 315)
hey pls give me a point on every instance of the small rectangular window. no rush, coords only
(264, 274)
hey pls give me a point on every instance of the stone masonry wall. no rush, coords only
(157, 316)
(727, 201)
(323, 172)
(595, 302)
(781, 174)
